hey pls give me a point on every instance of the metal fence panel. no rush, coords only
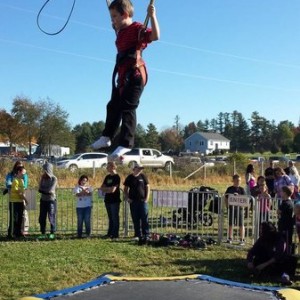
(66, 213)
(182, 212)
(176, 212)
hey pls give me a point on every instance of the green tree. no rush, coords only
(28, 114)
(11, 130)
(297, 142)
(200, 126)
(97, 129)
(189, 130)
(171, 140)
(140, 137)
(206, 125)
(177, 125)
(262, 133)
(285, 136)
(152, 137)
(54, 127)
(241, 133)
(83, 137)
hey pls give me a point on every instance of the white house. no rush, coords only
(206, 142)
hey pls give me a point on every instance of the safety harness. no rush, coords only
(134, 54)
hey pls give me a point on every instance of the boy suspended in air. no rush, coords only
(129, 75)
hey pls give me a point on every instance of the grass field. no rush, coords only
(31, 267)
(34, 267)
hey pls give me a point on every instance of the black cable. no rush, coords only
(59, 31)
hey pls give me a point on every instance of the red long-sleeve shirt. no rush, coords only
(127, 39)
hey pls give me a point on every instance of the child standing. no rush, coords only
(17, 203)
(47, 189)
(250, 179)
(8, 181)
(264, 200)
(137, 193)
(131, 73)
(84, 196)
(111, 188)
(285, 215)
(297, 218)
(236, 214)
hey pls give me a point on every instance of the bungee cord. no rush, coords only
(62, 28)
(108, 2)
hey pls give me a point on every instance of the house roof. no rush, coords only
(210, 136)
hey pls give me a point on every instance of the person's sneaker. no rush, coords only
(119, 152)
(103, 142)
(135, 239)
(242, 243)
(229, 241)
(211, 241)
(105, 237)
(51, 236)
(285, 279)
(42, 237)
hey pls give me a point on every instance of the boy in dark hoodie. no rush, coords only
(285, 216)
(48, 200)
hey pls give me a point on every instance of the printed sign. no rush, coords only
(31, 198)
(239, 200)
(170, 199)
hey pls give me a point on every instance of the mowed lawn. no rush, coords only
(30, 267)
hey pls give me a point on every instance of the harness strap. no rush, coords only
(135, 54)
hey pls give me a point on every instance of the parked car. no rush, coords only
(84, 160)
(220, 160)
(278, 159)
(297, 159)
(147, 157)
(256, 159)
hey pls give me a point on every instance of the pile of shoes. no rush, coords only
(193, 241)
(187, 241)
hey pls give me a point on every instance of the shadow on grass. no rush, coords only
(233, 270)
(229, 269)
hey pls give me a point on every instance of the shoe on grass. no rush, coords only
(42, 237)
(51, 236)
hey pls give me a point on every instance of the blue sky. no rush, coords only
(214, 56)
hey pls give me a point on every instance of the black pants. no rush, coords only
(47, 208)
(16, 210)
(113, 210)
(286, 264)
(287, 232)
(122, 107)
(139, 214)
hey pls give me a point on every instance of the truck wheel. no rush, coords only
(168, 166)
(73, 168)
(131, 164)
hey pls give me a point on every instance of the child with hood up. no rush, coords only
(48, 204)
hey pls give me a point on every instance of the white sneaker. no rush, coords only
(103, 142)
(119, 152)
